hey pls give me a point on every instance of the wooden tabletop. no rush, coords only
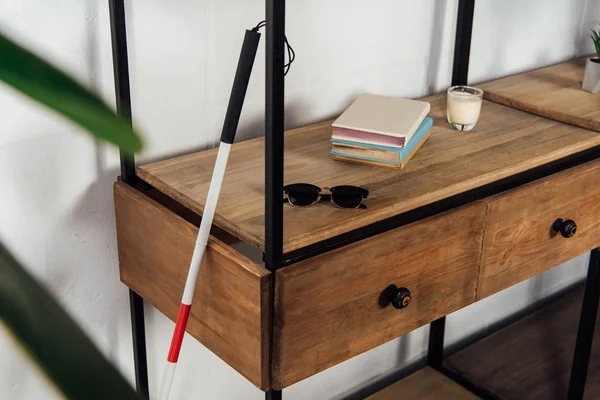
(505, 142)
(553, 92)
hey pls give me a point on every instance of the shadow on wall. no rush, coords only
(254, 126)
(519, 14)
(91, 60)
(93, 215)
(250, 128)
(584, 45)
(435, 49)
(81, 243)
(84, 265)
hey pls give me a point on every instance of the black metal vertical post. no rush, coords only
(585, 333)
(460, 73)
(435, 350)
(274, 127)
(273, 395)
(138, 331)
(121, 74)
(462, 43)
(123, 100)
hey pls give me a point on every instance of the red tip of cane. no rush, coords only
(182, 318)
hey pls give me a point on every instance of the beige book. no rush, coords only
(383, 115)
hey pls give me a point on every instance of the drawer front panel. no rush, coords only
(520, 241)
(231, 303)
(331, 307)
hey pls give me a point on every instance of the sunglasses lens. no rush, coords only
(302, 194)
(347, 196)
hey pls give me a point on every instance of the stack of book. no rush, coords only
(382, 131)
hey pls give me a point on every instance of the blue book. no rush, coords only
(349, 150)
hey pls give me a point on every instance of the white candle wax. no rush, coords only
(464, 108)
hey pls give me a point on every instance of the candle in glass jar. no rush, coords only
(463, 107)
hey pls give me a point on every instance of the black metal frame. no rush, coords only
(274, 129)
(274, 168)
(123, 102)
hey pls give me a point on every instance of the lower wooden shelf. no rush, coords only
(425, 384)
(530, 358)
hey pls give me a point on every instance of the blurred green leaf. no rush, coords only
(40, 81)
(53, 339)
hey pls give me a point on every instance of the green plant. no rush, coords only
(40, 325)
(46, 84)
(595, 35)
(53, 339)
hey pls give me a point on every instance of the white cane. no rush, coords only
(234, 109)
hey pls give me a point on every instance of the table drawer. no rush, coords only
(230, 315)
(330, 308)
(520, 241)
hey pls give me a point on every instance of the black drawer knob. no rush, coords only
(399, 297)
(566, 228)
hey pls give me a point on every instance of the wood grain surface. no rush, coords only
(330, 308)
(230, 314)
(425, 384)
(505, 142)
(531, 359)
(553, 92)
(519, 240)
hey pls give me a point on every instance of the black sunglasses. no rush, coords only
(345, 196)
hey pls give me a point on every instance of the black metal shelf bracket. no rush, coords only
(123, 103)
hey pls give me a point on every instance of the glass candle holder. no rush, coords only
(463, 107)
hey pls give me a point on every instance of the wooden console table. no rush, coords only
(472, 214)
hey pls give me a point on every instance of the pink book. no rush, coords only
(368, 137)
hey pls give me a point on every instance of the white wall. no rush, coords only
(56, 204)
